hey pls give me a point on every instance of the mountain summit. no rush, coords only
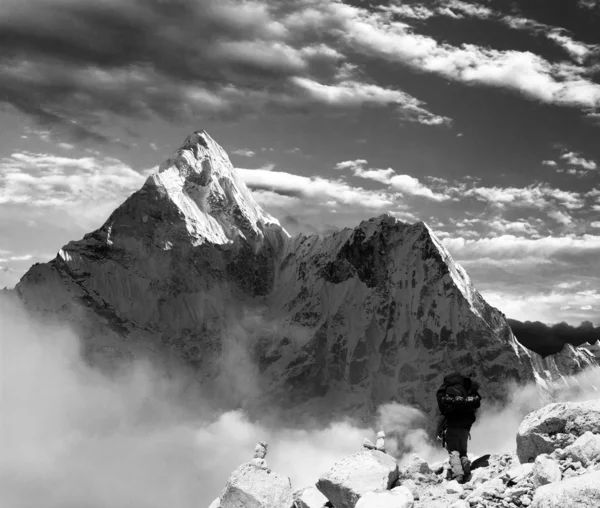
(191, 269)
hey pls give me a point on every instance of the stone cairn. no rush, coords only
(260, 453)
(379, 444)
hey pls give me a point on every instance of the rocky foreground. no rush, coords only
(556, 464)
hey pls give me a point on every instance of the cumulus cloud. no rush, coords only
(56, 198)
(406, 184)
(48, 180)
(329, 191)
(510, 246)
(575, 159)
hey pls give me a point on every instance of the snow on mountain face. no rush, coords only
(191, 267)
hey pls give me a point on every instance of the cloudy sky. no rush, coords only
(482, 119)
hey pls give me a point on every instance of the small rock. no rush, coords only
(398, 497)
(518, 474)
(454, 487)
(545, 471)
(461, 503)
(309, 497)
(585, 449)
(525, 500)
(412, 486)
(418, 465)
(437, 467)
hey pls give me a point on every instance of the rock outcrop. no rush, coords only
(564, 478)
(252, 486)
(556, 426)
(355, 475)
(190, 267)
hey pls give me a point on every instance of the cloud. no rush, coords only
(575, 159)
(510, 246)
(48, 180)
(574, 307)
(406, 184)
(512, 227)
(77, 67)
(595, 224)
(578, 50)
(85, 64)
(358, 169)
(533, 196)
(244, 152)
(353, 94)
(552, 164)
(377, 35)
(332, 192)
(86, 189)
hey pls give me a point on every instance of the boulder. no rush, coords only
(545, 471)
(398, 497)
(461, 503)
(556, 426)
(216, 503)
(309, 497)
(586, 449)
(572, 493)
(252, 486)
(357, 474)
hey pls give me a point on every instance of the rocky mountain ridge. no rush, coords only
(556, 465)
(190, 270)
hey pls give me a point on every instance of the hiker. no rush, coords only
(458, 401)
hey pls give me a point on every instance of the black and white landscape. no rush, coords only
(384, 193)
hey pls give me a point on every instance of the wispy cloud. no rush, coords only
(244, 152)
(405, 184)
(575, 159)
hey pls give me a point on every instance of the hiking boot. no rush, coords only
(460, 479)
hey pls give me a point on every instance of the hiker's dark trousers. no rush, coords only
(457, 439)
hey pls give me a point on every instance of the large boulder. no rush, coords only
(398, 497)
(575, 492)
(357, 474)
(556, 426)
(310, 497)
(252, 486)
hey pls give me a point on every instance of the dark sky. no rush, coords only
(482, 119)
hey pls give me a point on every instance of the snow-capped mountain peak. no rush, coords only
(209, 194)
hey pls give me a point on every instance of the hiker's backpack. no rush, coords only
(458, 394)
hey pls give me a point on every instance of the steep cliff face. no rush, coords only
(191, 268)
